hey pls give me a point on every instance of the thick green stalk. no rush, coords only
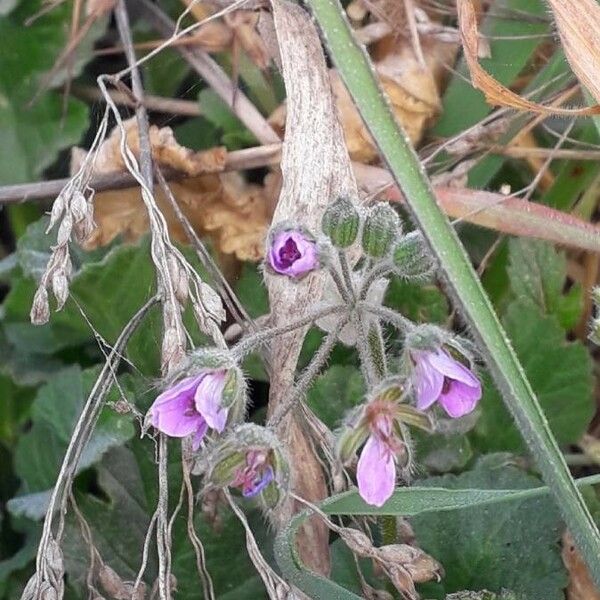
(356, 71)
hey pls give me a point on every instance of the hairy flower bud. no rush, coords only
(340, 222)
(381, 228)
(251, 459)
(410, 257)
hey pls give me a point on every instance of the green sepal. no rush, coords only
(340, 222)
(381, 228)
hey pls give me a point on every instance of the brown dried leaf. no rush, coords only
(232, 212)
(413, 93)
(165, 151)
(579, 29)
(495, 93)
(581, 585)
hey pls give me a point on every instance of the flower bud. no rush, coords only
(381, 227)
(340, 222)
(252, 460)
(410, 257)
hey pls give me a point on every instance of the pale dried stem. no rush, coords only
(276, 587)
(81, 434)
(236, 308)
(205, 578)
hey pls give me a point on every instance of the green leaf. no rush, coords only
(358, 75)
(424, 303)
(440, 453)
(560, 373)
(251, 291)
(537, 272)
(405, 502)
(33, 135)
(40, 451)
(463, 105)
(486, 548)
(484, 595)
(336, 391)
(109, 292)
(235, 135)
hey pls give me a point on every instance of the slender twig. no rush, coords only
(250, 342)
(212, 73)
(249, 158)
(81, 434)
(229, 296)
(390, 316)
(187, 108)
(205, 578)
(171, 311)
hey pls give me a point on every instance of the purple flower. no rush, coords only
(437, 377)
(292, 253)
(376, 471)
(191, 407)
(255, 476)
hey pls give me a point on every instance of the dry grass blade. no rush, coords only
(578, 25)
(495, 93)
(316, 169)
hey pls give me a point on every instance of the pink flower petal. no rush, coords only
(208, 398)
(293, 254)
(173, 412)
(427, 380)
(460, 399)
(451, 368)
(376, 472)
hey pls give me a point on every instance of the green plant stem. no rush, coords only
(356, 71)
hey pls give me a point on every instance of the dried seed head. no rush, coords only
(357, 541)
(79, 207)
(60, 288)
(40, 309)
(64, 231)
(340, 222)
(179, 279)
(419, 565)
(58, 208)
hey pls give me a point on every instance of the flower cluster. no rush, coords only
(435, 378)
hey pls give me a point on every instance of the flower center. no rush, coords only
(289, 253)
(446, 385)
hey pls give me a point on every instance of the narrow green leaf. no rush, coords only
(356, 71)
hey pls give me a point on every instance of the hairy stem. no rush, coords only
(357, 73)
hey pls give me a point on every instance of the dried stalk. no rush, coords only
(79, 438)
